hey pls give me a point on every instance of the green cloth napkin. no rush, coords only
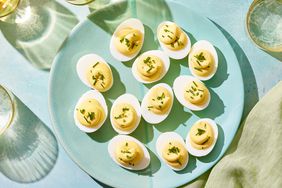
(254, 159)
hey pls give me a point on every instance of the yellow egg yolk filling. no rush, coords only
(129, 153)
(196, 93)
(202, 62)
(201, 135)
(90, 113)
(150, 68)
(124, 116)
(99, 75)
(175, 154)
(128, 41)
(172, 36)
(159, 100)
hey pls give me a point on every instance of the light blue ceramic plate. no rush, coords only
(89, 151)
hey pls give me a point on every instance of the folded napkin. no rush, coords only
(254, 158)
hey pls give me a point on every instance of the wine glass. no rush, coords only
(264, 24)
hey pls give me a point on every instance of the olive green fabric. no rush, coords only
(254, 158)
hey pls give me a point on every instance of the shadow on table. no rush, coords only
(149, 12)
(250, 86)
(28, 149)
(37, 30)
(277, 55)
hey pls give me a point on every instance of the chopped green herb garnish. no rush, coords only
(200, 132)
(82, 111)
(198, 69)
(206, 141)
(125, 109)
(95, 65)
(200, 57)
(174, 149)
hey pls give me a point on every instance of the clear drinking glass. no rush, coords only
(28, 149)
(264, 24)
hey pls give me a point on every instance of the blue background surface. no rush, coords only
(260, 70)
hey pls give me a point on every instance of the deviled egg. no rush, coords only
(203, 60)
(171, 149)
(128, 152)
(125, 114)
(173, 40)
(202, 137)
(90, 111)
(157, 103)
(127, 40)
(94, 72)
(191, 92)
(150, 66)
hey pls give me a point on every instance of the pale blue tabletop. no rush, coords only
(261, 71)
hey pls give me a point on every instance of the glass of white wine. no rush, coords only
(264, 24)
(7, 7)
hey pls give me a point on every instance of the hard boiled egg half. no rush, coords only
(128, 152)
(127, 40)
(202, 137)
(125, 114)
(150, 66)
(157, 103)
(90, 111)
(94, 72)
(203, 60)
(173, 40)
(171, 149)
(191, 92)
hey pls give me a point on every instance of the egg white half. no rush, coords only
(179, 88)
(132, 23)
(85, 63)
(113, 144)
(129, 99)
(92, 94)
(149, 116)
(157, 53)
(204, 45)
(203, 152)
(175, 54)
(163, 140)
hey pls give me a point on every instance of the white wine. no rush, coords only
(264, 23)
(7, 7)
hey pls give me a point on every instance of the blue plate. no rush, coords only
(89, 151)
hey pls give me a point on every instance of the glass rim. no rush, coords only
(259, 45)
(79, 4)
(10, 98)
(10, 12)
